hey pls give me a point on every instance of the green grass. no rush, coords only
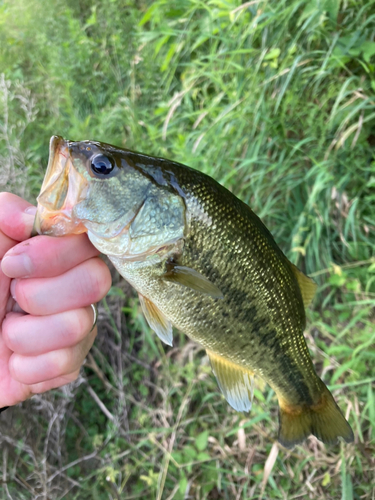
(275, 100)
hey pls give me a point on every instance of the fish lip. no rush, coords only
(56, 145)
(61, 188)
(45, 223)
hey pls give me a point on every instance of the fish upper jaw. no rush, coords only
(63, 187)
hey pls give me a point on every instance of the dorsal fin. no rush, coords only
(157, 320)
(235, 382)
(307, 285)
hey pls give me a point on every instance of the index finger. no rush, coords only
(16, 216)
(46, 256)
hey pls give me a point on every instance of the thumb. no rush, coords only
(16, 216)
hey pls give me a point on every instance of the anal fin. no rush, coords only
(157, 320)
(235, 382)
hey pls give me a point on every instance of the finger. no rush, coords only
(4, 294)
(16, 216)
(51, 365)
(6, 244)
(79, 287)
(12, 306)
(54, 383)
(34, 335)
(45, 256)
(11, 391)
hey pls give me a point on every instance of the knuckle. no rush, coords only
(70, 359)
(106, 278)
(23, 295)
(96, 280)
(76, 327)
(67, 359)
(6, 333)
(13, 366)
(72, 377)
(17, 369)
(5, 197)
(11, 340)
(19, 293)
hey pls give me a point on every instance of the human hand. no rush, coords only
(45, 314)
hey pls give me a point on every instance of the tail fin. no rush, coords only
(323, 419)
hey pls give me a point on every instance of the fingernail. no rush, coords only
(13, 284)
(31, 210)
(17, 266)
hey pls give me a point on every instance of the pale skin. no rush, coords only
(46, 287)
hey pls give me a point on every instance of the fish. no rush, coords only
(202, 262)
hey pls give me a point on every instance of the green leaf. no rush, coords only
(332, 7)
(346, 481)
(272, 54)
(190, 453)
(168, 57)
(148, 14)
(202, 440)
(326, 479)
(371, 405)
(368, 50)
(182, 484)
(337, 280)
(340, 370)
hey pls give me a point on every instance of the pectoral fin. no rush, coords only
(234, 382)
(157, 320)
(190, 278)
(307, 285)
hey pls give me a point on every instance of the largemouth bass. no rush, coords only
(203, 262)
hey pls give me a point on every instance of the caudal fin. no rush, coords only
(324, 420)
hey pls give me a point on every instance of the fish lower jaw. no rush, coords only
(56, 223)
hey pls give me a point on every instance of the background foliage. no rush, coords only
(275, 100)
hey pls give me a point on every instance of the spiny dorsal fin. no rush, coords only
(157, 320)
(235, 383)
(307, 285)
(190, 278)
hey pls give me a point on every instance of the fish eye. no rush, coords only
(102, 165)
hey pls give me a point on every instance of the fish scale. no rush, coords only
(201, 261)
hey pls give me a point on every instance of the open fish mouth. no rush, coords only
(63, 187)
